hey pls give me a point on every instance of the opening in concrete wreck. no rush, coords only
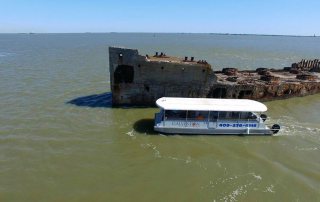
(218, 93)
(124, 74)
(287, 92)
(244, 93)
(146, 87)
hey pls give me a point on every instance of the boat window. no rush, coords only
(228, 115)
(222, 115)
(213, 115)
(203, 115)
(175, 114)
(244, 115)
(234, 115)
(191, 115)
(198, 115)
(252, 115)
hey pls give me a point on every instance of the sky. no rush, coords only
(279, 17)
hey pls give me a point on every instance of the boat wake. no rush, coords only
(310, 134)
(291, 127)
(238, 186)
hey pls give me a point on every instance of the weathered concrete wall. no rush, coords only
(141, 80)
(152, 78)
(264, 92)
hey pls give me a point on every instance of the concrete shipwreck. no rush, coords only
(141, 80)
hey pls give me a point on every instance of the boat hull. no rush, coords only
(213, 131)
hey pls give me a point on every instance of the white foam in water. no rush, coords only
(130, 133)
(258, 177)
(188, 160)
(270, 189)
(238, 190)
(289, 126)
(241, 190)
(157, 154)
(307, 149)
(154, 149)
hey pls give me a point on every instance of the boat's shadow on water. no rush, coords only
(145, 126)
(95, 100)
(100, 100)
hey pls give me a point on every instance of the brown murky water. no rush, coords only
(84, 150)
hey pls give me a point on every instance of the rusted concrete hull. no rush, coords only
(265, 92)
(141, 80)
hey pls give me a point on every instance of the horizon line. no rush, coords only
(113, 32)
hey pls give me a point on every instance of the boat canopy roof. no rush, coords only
(210, 104)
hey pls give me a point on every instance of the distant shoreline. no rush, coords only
(231, 34)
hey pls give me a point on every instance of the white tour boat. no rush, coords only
(211, 116)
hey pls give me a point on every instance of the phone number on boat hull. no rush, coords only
(238, 125)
